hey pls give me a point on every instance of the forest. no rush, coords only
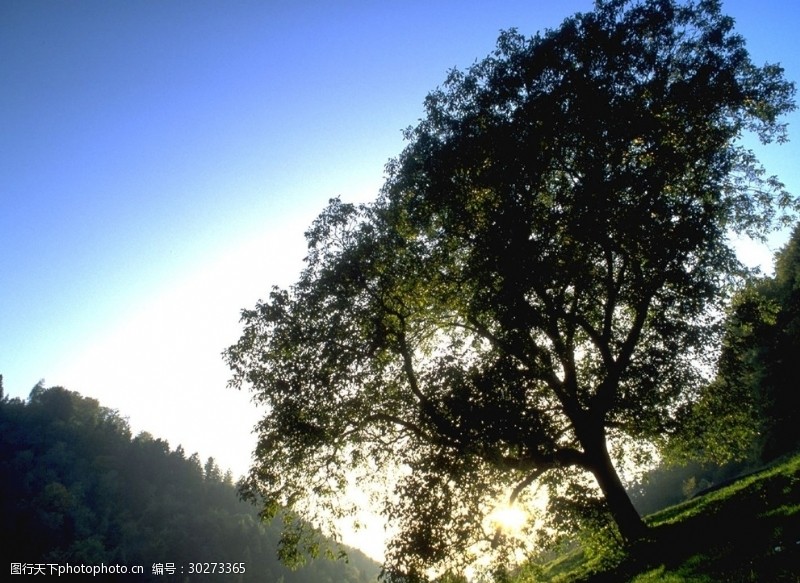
(76, 488)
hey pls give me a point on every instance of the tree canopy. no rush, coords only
(537, 288)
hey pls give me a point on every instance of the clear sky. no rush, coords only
(160, 160)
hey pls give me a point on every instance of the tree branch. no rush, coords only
(412, 427)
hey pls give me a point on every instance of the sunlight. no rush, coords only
(510, 519)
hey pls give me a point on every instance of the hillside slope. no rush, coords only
(748, 531)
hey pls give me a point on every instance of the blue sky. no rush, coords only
(159, 162)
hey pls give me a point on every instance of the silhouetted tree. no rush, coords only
(535, 286)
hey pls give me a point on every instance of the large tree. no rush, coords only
(537, 283)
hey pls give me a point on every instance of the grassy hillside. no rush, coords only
(746, 532)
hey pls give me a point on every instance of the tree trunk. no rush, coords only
(630, 524)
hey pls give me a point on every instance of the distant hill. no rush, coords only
(76, 488)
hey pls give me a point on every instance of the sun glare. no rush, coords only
(509, 518)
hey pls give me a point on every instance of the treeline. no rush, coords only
(76, 487)
(748, 415)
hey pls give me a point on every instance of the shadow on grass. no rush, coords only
(746, 532)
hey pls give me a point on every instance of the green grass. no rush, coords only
(748, 532)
